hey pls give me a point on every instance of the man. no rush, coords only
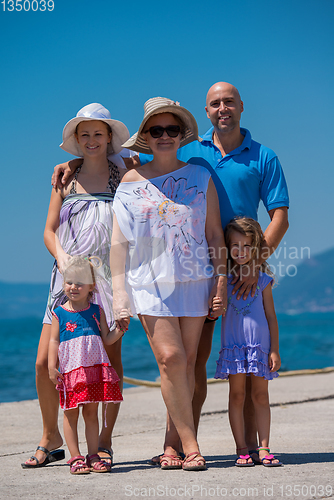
(244, 173)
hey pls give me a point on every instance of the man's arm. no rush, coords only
(273, 235)
(132, 162)
(63, 171)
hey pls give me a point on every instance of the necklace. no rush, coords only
(246, 309)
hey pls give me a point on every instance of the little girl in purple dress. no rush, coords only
(249, 341)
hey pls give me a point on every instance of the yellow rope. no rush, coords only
(147, 383)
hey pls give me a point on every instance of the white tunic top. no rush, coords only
(168, 266)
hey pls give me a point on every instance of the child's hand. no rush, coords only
(217, 308)
(218, 299)
(122, 324)
(55, 376)
(274, 361)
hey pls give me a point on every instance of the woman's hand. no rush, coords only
(121, 310)
(62, 259)
(55, 376)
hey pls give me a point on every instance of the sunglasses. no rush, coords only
(157, 131)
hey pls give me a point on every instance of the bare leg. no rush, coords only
(250, 419)
(90, 416)
(115, 357)
(235, 413)
(174, 343)
(71, 431)
(200, 392)
(48, 399)
(260, 398)
(203, 353)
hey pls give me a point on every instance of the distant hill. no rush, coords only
(311, 290)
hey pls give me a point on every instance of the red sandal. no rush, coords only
(99, 465)
(78, 465)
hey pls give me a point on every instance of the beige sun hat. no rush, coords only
(158, 105)
(94, 111)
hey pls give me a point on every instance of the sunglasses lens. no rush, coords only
(173, 130)
(156, 132)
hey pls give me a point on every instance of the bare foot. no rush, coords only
(265, 452)
(106, 455)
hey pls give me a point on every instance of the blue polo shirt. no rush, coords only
(242, 178)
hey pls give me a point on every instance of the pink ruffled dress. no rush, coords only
(83, 361)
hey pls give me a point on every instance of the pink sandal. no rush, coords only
(99, 465)
(166, 462)
(78, 465)
(270, 459)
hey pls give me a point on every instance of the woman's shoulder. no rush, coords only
(132, 176)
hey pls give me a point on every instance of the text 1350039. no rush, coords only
(27, 5)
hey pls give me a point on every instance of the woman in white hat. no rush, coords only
(166, 227)
(79, 222)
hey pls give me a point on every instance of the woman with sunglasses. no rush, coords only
(168, 242)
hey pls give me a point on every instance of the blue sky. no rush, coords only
(278, 54)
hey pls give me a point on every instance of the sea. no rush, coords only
(306, 342)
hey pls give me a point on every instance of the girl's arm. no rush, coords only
(51, 227)
(54, 374)
(110, 337)
(118, 253)
(269, 309)
(216, 242)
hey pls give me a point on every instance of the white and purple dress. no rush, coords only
(245, 335)
(85, 228)
(168, 266)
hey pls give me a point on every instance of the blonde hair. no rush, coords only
(247, 227)
(82, 266)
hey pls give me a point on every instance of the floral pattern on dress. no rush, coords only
(177, 208)
(70, 327)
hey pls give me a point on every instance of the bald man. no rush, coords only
(244, 172)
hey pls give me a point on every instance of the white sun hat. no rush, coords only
(94, 111)
(158, 105)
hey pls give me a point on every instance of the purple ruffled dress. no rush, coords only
(245, 336)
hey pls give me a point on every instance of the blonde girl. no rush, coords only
(84, 376)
